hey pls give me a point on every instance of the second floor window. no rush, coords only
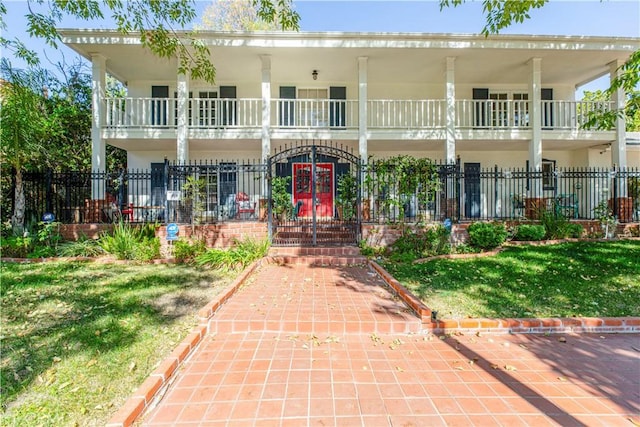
(313, 109)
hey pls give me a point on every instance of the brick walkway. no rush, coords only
(303, 345)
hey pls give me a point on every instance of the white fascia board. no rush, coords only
(370, 40)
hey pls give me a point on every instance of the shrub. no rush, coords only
(16, 246)
(575, 230)
(487, 235)
(186, 252)
(555, 225)
(241, 254)
(83, 247)
(463, 248)
(421, 243)
(530, 232)
(133, 243)
(370, 251)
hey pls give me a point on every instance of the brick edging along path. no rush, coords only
(159, 378)
(508, 326)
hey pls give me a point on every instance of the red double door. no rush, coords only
(303, 184)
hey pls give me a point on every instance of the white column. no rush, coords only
(450, 94)
(98, 146)
(266, 106)
(619, 146)
(362, 107)
(535, 114)
(182, 143)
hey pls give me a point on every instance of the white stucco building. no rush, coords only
(504, 101)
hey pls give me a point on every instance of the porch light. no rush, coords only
(314, 74)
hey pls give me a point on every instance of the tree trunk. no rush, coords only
(17, 220)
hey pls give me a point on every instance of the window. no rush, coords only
(509, 114)
(210, 176)
(499, 109)
(548, 174)
(207, 108)
(313, 107)
(521, 109)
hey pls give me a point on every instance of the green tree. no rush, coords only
(46, 123)
(25, 127)
(234, 15)
(500, 14)
(632, 111)
(155, 22)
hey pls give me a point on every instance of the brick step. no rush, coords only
(314, 251)
(308, 232)
(309, 227)
(319, 260)
(288, 234)
(318, 328)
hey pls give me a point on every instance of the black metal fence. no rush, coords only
(237, 191)
(501, 194)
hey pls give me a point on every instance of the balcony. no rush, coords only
(337, 115)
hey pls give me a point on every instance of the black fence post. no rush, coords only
(495, 192)
(49, 191)
(165, 178)
(614, 202)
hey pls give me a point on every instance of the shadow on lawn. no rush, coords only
(565, 280)
(55, 310)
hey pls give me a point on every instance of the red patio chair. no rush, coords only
(244, 205)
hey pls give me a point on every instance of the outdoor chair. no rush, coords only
(517, 206)
(567, 205)
(244, 205)
(114, 213)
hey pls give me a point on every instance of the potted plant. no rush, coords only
(608, 222)
(347, 197)
(280, 197)
(193, 198)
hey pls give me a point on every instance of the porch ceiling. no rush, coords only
(406, 58)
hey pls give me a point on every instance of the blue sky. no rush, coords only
(559, 17)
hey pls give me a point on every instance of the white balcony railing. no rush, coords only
(492, 114)
(141, 112)
(202, 113)
(571, 115)
(213, 113)
(225, 113)
(405, 114)
(314, 113)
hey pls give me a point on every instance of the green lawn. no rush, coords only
(78, 338)
(564, 280)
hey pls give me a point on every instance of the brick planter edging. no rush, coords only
(138, 402)
(411, 300)
(558, 325)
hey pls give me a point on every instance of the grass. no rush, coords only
(594, 279)
(78, 338)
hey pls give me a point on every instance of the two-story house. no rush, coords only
(504, 100)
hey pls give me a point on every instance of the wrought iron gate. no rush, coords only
(314, 193)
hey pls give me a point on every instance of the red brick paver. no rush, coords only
(308, 345)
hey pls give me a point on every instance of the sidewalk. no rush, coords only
(303, 345)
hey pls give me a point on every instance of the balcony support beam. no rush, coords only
(183, 119)
(362, 107)
(266, 106)
(450, 94)
(98, 146)
(618, 97)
